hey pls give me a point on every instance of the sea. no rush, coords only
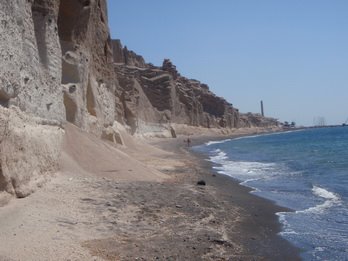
(303, 170)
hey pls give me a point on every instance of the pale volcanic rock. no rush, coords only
(30, 82)
(29, 150)
(30, 68)
(160, 95)
(59, 64)
(86, 64)
(56, 66)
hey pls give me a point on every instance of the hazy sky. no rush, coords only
(292, 54)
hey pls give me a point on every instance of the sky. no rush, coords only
(292, 54)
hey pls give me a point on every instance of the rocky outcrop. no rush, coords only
(56, 66)
(49, 47)
(123, 56)
(30, 68)
(29, 151)
(160, 95)
(87, 74)
(248, 120)
(31, 100)
(59, 64)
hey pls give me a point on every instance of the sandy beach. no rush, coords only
(140, 202)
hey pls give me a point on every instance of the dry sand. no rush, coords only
(139, 202)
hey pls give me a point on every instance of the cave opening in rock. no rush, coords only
(71, 31)
(4, 99)
(70, 72)
(86, 3)
(73, 20)
(67, 19)
(2, 180)
(39, 16)
(70, 108)
(90, 100)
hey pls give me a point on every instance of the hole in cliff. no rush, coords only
(107, 136)
(130, 120)
(129, 116)
(39, 15)
(73, 20)
(172, 132)
(3, 182)
(70, 73)
(118, 138)
(72, 88)
(70, 108)
(90, 100)
(4, 99)
(106, 50)
(86, 3)
(67, 19)
(48, 106)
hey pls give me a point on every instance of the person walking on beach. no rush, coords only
(188, 141)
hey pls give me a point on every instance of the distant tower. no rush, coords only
(262, 113)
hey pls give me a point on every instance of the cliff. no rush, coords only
(160, 95)
(56, 66)
(59, 64)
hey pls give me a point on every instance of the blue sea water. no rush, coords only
(306, 171)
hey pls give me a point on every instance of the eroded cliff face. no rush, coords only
(30, 71)
(155, 97)
(56, 66)
(30, 94)
(59, 64)
(88, 80)
(160, 95)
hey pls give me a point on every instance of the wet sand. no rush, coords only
(180, 220)
(257, 227)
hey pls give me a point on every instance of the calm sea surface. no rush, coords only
(306, 171)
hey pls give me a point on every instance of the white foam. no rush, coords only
(266, 134)
(286, 226)
(292, 232)
(247, 171)
(320, 192)
(247, 181)
(331, 200)
(209, 143)
(319, 249)
(216, 142)
(219, 156)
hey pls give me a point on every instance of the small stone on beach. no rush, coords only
(201, 183)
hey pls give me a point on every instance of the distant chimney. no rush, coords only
(262, 113)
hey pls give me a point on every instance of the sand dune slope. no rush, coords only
(85, 154)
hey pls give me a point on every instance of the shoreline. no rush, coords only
(261, 222)
(140, 202)
(263, 219)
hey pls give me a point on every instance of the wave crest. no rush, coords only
(216, 142)
(332, 199)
